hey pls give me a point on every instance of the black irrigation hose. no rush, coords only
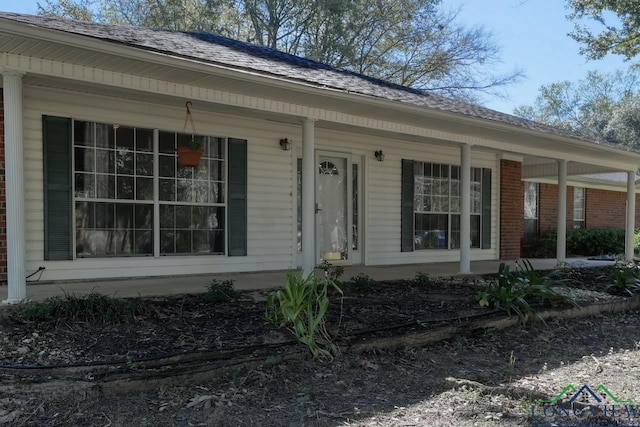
(144, 359)
(234, 348)
(425, 322)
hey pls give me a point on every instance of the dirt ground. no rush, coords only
(481, 378)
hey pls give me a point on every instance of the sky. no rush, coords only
(532, 34)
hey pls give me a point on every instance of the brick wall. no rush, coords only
(607, 209)
(3, 200)
(511, 209)
(603, 209)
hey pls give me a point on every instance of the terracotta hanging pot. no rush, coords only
(188, 157)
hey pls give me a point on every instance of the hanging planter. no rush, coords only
(189, 156)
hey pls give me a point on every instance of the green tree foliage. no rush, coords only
(606, 26)
(409, 42)
(603, 107)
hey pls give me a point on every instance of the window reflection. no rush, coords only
(114, 193)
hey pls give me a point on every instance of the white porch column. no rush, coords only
(465, 209)
(14, 181)
(308, 198)
(631, 216)
(561, 249)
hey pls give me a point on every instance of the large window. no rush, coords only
(578, 207)
(437, 206)
(530, 209)
(115, 197)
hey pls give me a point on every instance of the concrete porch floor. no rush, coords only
(175, 285)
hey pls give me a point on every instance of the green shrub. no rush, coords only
(220, 291)
(422, 279)
(595, 241)
(359, 283)
(582, 241)
(626, 280)
(521, 292)
(302, 305)
(92, 308)
(542, 246)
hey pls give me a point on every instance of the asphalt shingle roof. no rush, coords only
(216, 49)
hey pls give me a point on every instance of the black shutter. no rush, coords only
(237, 203)
(486, 208)
(406, 223)
(56, 135)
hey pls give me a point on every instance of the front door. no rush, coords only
(333, 205)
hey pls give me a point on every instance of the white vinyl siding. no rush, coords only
(270, 211)
(271, 198)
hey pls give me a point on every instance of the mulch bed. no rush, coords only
(190, 323)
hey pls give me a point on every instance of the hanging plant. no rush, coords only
(189, 156)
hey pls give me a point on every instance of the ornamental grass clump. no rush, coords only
(521, 293)
(626, 281)
(301, 306)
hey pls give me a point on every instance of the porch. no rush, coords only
(176, 285)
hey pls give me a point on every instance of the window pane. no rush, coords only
(201, 191)
(167, 142)
(105, 161)
(216, 170)
(216, 148)
(530, 228)
(167, 166)
(475, 231)
(124, 187)
(578, 205)
(85, 215)
(104, 215)
(455, 231)
(85, 185)
(167, 190)
(167, 241)
(104, 136)
(167, 216)
(144, 242)
(124, 216)
(354, 210)
(144, 188)
(124, 137)
(183, 216)
(144, 217)
(144, 164)
(531, 200)
(124, 162)
(430, 231)
(105, 186)
(144, 140)
(184, 191)
(83, 133)
(84, 159)
(183, 241)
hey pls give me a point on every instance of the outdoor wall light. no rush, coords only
(285, 143)
(379, 155)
